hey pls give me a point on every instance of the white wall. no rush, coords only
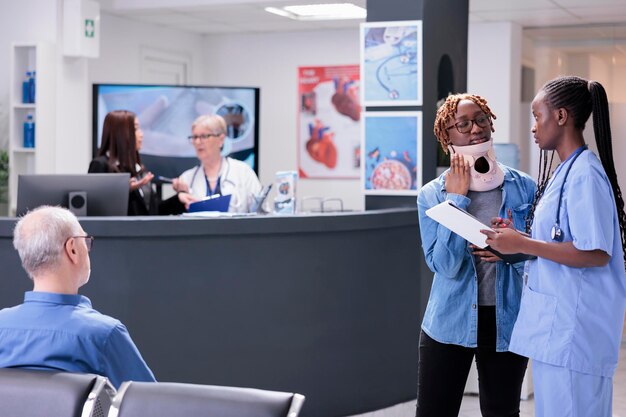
(618, 130)
(121, 46)
(18, 23)
(270, 61)
(122, 41)
(494, 71)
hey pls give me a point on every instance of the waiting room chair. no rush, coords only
(168, 399)
(29, 393)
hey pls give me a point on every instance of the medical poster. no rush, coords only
(392, 157)
(329, 122)
(391, 63)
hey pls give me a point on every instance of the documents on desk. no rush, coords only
(214, 202)
(217, 214)
(468, 227)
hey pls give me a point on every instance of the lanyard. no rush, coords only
(218, 185)
(216, 190)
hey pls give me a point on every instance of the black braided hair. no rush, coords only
(580, 97)
(542, 180)
(604, 141)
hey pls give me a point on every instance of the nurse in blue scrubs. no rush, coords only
(572, 310)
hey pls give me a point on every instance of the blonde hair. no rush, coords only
(447, 111)
(212, 122)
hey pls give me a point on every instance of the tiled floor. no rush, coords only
(471, 407)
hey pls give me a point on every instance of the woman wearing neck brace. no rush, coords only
(475, 297)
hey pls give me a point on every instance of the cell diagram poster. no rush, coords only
(391, 161)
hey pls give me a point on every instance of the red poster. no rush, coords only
(329, 122)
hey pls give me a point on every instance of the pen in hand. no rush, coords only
(502, 222)
(165, 179)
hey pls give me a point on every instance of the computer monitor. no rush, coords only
(104, 194)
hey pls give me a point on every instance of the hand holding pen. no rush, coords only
(138, 183)
(180, 186)
(501, 222)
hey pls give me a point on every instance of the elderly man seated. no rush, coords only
(55, 328)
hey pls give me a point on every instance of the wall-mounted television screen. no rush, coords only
(166, 113)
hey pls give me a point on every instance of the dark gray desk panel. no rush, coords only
(327, 305)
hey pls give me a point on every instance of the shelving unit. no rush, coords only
(41, 58)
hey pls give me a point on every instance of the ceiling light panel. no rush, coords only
(334, 11)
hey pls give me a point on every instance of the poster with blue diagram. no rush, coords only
(391, 63)
(391, 161)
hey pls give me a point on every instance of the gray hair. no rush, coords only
(213, 122)
(39, 237)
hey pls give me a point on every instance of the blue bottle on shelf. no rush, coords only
(29, 132)
(26, 88)
(31, 86)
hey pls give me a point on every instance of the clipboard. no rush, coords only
(212, 203)
(468, 227)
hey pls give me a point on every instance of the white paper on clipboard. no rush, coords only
(460, 222)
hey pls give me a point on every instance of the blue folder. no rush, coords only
(213, 203)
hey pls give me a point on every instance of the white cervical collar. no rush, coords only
(486, 181)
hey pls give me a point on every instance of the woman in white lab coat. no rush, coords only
(216, 174)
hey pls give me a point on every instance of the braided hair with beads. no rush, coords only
(447, 111)
(542, 182)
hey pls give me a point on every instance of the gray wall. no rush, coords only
(445, 24)
(327, 306)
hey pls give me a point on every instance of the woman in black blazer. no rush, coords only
(119, 152)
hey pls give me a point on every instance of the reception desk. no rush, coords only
(326, 305)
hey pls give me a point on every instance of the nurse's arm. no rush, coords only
(566, 253)
(510, 241)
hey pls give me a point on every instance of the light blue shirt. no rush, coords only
(452, 313)
(62, 332)
(573, 317)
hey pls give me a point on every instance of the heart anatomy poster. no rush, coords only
(329, 122)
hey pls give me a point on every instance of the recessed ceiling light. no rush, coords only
(335, 11)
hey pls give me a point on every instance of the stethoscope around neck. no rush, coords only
(557, 233)
(222, 180)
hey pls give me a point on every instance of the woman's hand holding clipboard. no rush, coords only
(473, 230)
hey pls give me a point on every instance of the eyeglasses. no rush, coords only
(204, 136)
(88, 240)
(465, 126)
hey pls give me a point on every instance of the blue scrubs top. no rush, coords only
(573, 317)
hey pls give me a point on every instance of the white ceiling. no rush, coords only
(563, 19)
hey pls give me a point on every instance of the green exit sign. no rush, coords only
(90, 28)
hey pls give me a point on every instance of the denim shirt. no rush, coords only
(452, 312)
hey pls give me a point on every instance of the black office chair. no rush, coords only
(28, 393)
(168, 399)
